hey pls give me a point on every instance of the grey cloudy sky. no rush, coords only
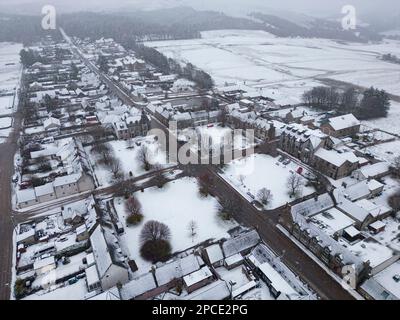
(311, 7)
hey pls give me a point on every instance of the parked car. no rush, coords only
(286, 162)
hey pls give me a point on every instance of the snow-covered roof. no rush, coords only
(25, 195)
(138, 286)
(377, 291)
(343, 122)
(240, 243)
(92, 277)
(377, 225)
(336, 158)
(276, 279)
(100, 251)
(214, 253)
(44, 189)
(43, 262)
(313, 206)
(233, 259)
(361, 189)
(352, 232)
(197, 276)
(51, 121)
(25, 235)
(111, 294)
(176, 269)
(373, 170)
(217, 290)
(71, 178)
(332, 220)
(350, 208)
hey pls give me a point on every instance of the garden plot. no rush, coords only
(5, 122)
(249, 175)
(127, 153)
(6, 104)
(386, 151)
(214, 137)
(176, 204)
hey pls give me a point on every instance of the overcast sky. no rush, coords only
(310, 7)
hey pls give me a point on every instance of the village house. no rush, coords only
(132, 126)
(335, 164)
(301, 142)
(110, 268)
(342, 126)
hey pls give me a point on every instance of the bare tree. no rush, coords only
(116, 168)
(396, 166)
(264, 195)
(222, 117)
(125, 188)
(192, 227)
(204, 182)
(294, 184)
(155, 231)
(229, 206)
(105, 151)
(394, 201)
(159, 178)
(133, 205)
(143, 157)
(134, 210)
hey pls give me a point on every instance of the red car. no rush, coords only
(299, 170)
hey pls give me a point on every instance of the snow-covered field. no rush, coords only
(262, 60)
(258, 171)
(391, 122)
(10, 69)
(175, 205)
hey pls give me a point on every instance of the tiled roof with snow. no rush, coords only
(241, 242)
(176, 269)
(343, 122)
(137, 286)
(336, 158)
(313, 206)
(100, 251)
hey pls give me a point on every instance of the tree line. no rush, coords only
(169, 65)
(371, 103)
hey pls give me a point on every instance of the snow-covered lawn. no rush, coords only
(249, 175)
(287, 66)
(390, 123)
(5, 122)
(176, 205)
(127, 153)
(214, 137)
(386, 151)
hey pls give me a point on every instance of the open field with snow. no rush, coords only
(10, 69)
(175, 205)
(258, 171)
(285, 67)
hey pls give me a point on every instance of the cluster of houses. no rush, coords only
(67, 171)
(78, 250)
(78, 253)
